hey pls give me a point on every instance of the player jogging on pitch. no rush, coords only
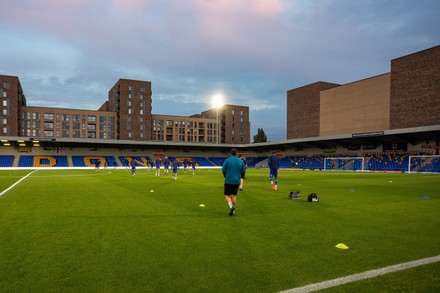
(274, 164)
(176, 165)
(233, 169)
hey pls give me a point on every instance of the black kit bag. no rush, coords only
(313, 197)
(295, 195)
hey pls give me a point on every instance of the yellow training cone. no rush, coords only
(341, 246)
(202, 205)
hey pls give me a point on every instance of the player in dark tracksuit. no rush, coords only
(274, 164)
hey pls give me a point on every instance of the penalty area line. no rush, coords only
(363, 276)
(12, 186)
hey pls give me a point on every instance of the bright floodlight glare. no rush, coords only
(217, 101)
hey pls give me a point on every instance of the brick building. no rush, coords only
(126, 115)
(234, 123)
(12, 99)
(408, 96)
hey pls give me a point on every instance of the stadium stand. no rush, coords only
(203, 162)
(42, 161)
(140, 160)
(89, 161)
(218, 161)
(378, 161)
(6, 160)
(253, 161)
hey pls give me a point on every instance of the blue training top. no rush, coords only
(274, 161)
(232, 169)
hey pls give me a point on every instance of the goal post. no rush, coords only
(424, 164)
(344, 163)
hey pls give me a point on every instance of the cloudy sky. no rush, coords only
(69, 53)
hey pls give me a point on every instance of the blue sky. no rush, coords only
(70, 53)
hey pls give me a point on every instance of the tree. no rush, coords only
(260, 136)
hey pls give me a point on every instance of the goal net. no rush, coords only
(344, 164)
(424, 164)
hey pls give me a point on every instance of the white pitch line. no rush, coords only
(363, 276)
(10, 187)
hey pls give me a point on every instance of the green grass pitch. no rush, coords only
(88, 231)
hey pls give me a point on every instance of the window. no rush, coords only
(103, 119)
(129, 111)
(65, 125)
(75, 117)
(91, 127)
(128, 103)
(36, 124)
(65, 133)
(48, 133)
(36, 116)
(5, 121)
(142, 89)
(5, 130)
(5, 94)
(48, 125)
(6, 85)
(65, 117)
(141, 112)
(91, 119)
(169, 123)
(103, 127)
(48, 116)
(5, 112)
(5, 103)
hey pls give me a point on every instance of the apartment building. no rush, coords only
(406, 97)
(126, 115)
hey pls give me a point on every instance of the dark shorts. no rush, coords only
(274, 172)
(231, 189)
(242, 176)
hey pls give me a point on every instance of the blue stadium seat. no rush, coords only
(6, 160)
